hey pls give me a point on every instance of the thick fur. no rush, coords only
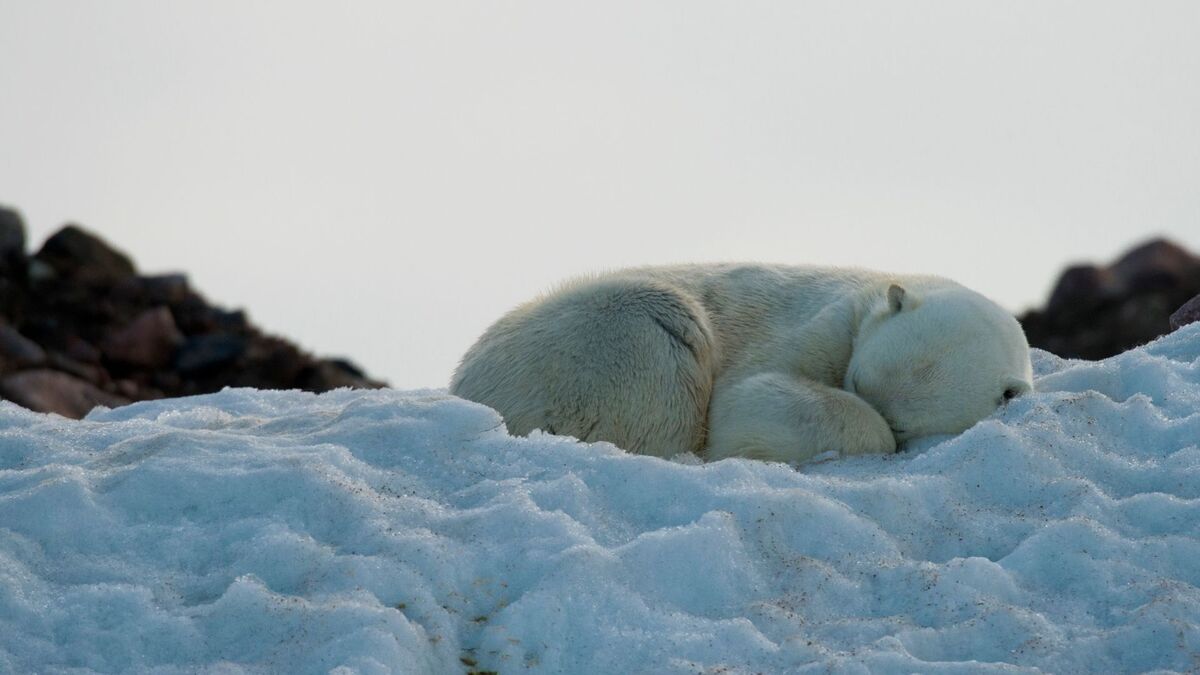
(772, 362)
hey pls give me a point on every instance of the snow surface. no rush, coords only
(406, 532)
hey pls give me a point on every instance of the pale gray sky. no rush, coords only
(382, 180)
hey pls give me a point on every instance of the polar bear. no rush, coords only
(779, 363)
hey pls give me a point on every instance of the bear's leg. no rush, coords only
(625, 361)
(777, 417)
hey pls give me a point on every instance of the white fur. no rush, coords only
(773, 362)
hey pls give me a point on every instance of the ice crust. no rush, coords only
(407, 532)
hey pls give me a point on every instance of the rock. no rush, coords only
(333, 374)
(160, 289)
(149, 341)
(359, 377)
(89, 372)
(1155, 265)
(18, 351)
(230, 321)
(347, 366)
(196, 317)
(81, 350)
(166, 289)
(170, 381)
(11, 298)
(12, 241)
(40, 272)
(1080, 286)
(1097, 311)
(79, 309)
(54, 392)
(205, 353)
(324, 376)
(76, 254)
(127, 388)
(1188, 313)
(271, 363)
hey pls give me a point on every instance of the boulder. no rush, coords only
(78, 313)
(1155, 265)
(1097, 311)
(1188, 313)
(90, 372)
(196, 317)
(136, 391)
(329, 374)
(18, 351)
(12, 241)
(205, 353)
(325, 376)
(158, 289)
(1081, 286)
(348, 366)
(74, 253)
(81, 350)
(271, 363)
(149, 341)
(51, 391)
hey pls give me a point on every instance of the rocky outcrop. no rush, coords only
(1098, 311)
(80, 326)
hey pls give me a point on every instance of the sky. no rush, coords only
(382, 180)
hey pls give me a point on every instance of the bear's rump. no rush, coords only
(625, 361)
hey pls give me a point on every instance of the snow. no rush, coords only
(391, 531)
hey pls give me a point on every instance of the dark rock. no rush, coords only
(55, 392)
(57, 309)
(234, 321)
(272, 363)
(76, 254)
(90, 372)
(78, 313)
(195, 317)
(1096, 312)
(149, 341)
(11, 299)
(161, 289)
(166, 289)
(128, 388)
(1079, 287)
(1158, 264)
(81, 350)
(1188, 313)
(12, 241)
(333, 374)
(18, 351)
(170, 381)
(324, 376)
(205, 353)
(347, 366)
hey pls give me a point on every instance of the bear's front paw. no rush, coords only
(868, 433)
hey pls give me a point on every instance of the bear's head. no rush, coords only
(935, 358)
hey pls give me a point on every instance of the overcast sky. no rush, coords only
(383, 180)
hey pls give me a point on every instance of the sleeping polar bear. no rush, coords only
(771, 362)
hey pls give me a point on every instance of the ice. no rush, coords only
(407, 532)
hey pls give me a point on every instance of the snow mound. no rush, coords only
(387, 531)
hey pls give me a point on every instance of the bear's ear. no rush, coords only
(900, 299)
